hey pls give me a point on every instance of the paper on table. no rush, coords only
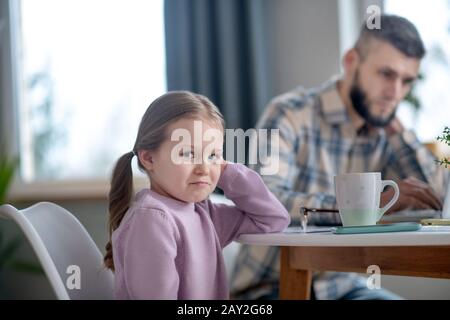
(411, 216)
(435, 229)
(310, 229)
(314, 229)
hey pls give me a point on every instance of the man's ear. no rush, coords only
(350, 61)
(146, 159)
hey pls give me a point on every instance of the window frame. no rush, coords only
(10, 104)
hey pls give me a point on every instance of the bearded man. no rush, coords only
(348, 124)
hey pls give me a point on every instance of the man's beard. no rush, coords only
(359, 101)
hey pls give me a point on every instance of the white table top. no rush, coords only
(293, 236)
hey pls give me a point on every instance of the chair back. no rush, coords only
(66, 251)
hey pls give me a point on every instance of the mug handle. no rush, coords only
(384, 184)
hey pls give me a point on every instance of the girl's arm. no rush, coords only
(150, 248)
(256, 209)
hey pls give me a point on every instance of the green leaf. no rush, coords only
(446, 139)
(27, 267)
(446, 136)
(7, 169)
(8, 251)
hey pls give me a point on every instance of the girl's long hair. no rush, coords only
(165, 110)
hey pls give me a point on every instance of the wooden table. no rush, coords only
(423, 253)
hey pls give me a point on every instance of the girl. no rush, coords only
(167, 242)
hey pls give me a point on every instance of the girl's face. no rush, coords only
(187, 165)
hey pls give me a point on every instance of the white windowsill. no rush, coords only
(65, 190)
(77, 190)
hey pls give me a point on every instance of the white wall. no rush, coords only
(305, 37)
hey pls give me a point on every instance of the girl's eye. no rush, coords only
(187, 154)
(215, 157)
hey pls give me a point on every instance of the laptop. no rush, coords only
(417, 215)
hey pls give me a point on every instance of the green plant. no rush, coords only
(8, 251)
(9, 247)
(446, 139)
(7, 169)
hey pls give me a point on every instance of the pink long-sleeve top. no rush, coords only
(169, 249)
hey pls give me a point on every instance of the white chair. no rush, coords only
(62, 245)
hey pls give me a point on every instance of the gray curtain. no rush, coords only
(219, 48)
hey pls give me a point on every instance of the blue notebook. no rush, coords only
(391, 227)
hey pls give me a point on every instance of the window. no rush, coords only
(433, 23)
(89, 70)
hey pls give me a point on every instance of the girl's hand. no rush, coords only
(223, 165)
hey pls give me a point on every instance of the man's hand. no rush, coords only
(414, 194)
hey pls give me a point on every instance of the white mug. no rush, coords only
(358, 197)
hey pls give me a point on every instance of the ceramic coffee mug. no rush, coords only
(358, 197)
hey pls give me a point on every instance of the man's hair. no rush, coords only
(397, 31)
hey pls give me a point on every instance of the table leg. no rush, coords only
(294, 284)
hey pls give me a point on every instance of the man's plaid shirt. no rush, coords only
(319, 139)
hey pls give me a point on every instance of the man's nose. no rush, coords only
(395, 90)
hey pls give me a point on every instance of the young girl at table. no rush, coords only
(166, 241)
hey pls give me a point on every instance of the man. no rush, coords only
(349, 124)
